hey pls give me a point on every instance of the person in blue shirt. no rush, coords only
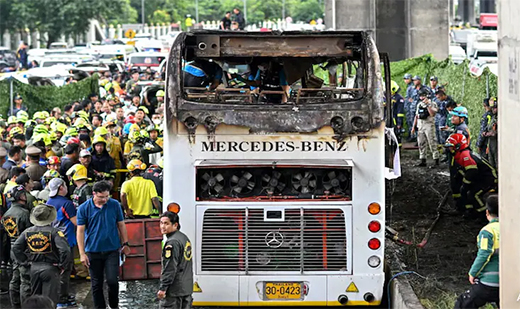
(100, 225)
(202, 73)
(66, 223)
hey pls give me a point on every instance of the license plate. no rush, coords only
(283, 290)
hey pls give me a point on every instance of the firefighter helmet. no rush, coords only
(457, 141)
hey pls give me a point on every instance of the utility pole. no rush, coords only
(245, 10)
(196, 11)
(283, 10)
(142, 15)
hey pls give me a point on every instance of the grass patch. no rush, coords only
(444, 300)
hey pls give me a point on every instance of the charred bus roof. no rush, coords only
(350, 103)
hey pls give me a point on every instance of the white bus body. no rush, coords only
(311, 249)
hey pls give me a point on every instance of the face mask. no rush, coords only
(157, 121)
(127, 103)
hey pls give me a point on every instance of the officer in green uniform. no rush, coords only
(47, 250)
(177, 270)
(484, 273)
(16, 221)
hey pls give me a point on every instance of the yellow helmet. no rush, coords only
(12, 120)
(136, 165)
(71, 132)
(78, 172)
(103, 82)
(22, 114)
(60, 127)
(98, 139)
(46, 114)
(38, 115)
(394, 87)
(49, 121)
(160, 93)
(14, 131)
(43, 138)
(82, 114)
(22, 118)
(101, 131)
(41, 129)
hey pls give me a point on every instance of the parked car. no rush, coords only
(146, 60)
(7, 58)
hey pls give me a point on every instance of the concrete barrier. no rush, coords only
(403, 296)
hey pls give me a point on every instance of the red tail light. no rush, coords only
(374, 244)
(374, 226)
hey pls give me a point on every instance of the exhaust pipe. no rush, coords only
(369, 297)
(343, 299)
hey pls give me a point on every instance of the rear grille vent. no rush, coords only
(306, 240)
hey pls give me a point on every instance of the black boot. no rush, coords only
(423, 163)
(436, 162)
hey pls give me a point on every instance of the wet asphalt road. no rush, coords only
(132, 295)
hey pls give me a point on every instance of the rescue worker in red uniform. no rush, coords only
(472, 177)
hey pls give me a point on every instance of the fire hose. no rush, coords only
(394, 235)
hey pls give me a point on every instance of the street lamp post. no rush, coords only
(283, 10)
(245, 10)
(142, 15)
(196, 11)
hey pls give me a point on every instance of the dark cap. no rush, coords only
(17, 97)
(71, 148)
(434, 78)
(407, 76)
(416, 77)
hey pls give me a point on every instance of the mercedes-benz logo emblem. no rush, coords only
(274, 239)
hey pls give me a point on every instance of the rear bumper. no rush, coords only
(323, 290)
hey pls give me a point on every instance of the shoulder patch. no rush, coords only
(10, 227)
(188, 254)
(466, 159)
(168, 251)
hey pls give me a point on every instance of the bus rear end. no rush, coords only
(283, 203)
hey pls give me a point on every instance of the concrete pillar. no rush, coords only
(467, 11)
(7, 39)
(487, 6)
(428, 28)
(111, 32)
(119, 32)
(509, 150)
(351, 14)
(392, 28)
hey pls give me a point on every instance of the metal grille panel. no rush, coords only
(242, 240)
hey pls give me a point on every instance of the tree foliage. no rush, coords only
(72, 17)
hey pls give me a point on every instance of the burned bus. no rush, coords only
(275, 158)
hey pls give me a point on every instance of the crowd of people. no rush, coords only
(65, 176)
(439, 125)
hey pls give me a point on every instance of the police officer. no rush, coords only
(176, 284)
(47, 250)
(441, 118)
(15, 221)
(424, 120)
(484, 273)
(482, 139)
(473, 176)
(413, 100)
(34, 169)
